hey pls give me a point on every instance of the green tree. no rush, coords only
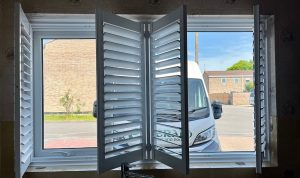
(242, 65)
(249, 86)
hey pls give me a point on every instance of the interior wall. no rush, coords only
(287, 26)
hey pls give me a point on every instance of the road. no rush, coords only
(234, 128)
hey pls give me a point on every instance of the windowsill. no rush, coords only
(89, 163)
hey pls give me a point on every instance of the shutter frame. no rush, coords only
(113, 81)
(261, 89)
(164, 28)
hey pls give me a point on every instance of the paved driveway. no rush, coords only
(235, 130)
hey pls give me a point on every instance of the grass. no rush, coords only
(68, 117)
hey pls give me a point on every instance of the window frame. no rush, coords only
(43, 30)
(45, 26)
(223, 81)
(245, 23)
(235, 80)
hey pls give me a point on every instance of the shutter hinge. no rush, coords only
(148, 147)
(147, 34)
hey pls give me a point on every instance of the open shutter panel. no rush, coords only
(120, 91)
(23, 92)
(261, 88)
(263, 85)
(169, 90)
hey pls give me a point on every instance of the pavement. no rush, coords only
(235, 130)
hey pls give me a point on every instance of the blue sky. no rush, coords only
(219, 50)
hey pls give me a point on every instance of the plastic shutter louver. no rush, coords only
(261, 88)
(24, 98)
(120, 91)
(169, 95)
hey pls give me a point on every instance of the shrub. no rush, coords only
(67, 101)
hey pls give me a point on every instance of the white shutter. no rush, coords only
(169, 90)
(23, 92)
(261, 88)
(135, 95)
(120, 91)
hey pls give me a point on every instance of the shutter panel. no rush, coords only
(23, 92)
(261, 88)
(169, 90)
(120, 91)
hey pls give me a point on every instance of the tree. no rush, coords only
(67, 101)
(249, 86)
(242, 65)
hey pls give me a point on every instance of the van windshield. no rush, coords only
(196, 95)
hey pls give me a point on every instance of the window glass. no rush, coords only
(69, 90)
(226, 64)
(236, 80)
(223, 80)
(196, 94)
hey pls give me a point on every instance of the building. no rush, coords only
(227, 81)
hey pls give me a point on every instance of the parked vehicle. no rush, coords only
(202, 114)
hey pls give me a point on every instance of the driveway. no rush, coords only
(236, 128)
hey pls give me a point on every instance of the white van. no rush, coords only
(202, 114)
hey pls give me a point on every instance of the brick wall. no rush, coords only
(69, 65)
(224, 98)
(216, 86)
(233, 98)
(240, 98)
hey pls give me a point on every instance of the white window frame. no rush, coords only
(245, 23)
(46, 27)
(76, 26)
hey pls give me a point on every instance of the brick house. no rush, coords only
(228, 87)
(227, 81)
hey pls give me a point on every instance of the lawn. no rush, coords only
(68, 117)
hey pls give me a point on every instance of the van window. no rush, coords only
(196, 94)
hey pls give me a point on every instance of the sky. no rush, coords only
(219, 50)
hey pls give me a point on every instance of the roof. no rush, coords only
(229, 73)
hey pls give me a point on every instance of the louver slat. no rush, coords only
(121, 40)
(120, 92)
(111, 120)
(121, 64)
